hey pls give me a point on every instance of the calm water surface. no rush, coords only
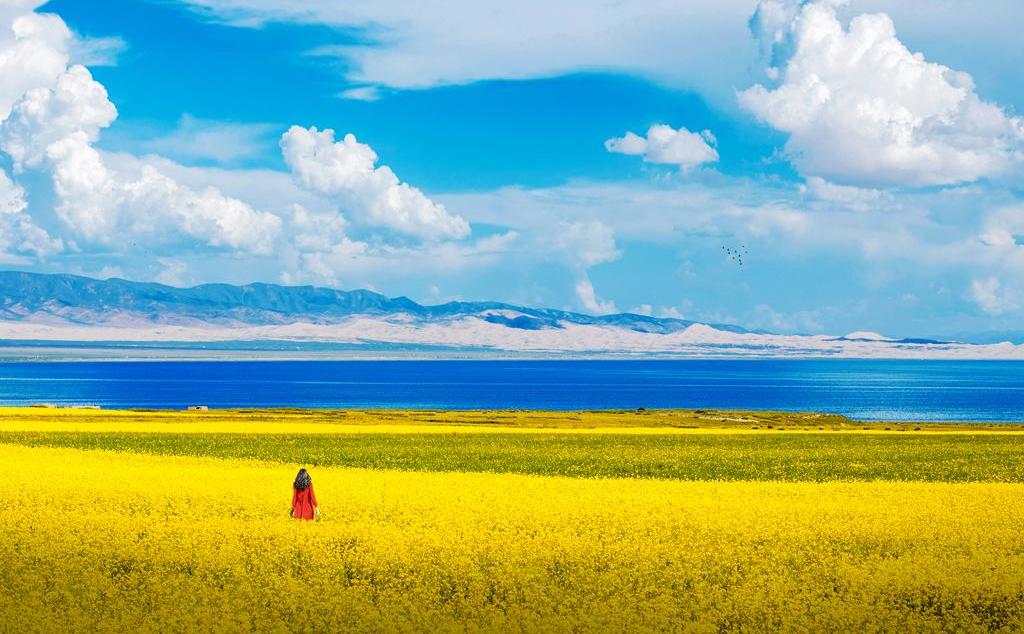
(891, 390)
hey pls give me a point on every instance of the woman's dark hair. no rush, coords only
(302, 481)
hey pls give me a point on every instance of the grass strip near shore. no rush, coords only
(322, 421)
(256, 421)
(816, 457)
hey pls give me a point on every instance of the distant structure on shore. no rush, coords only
(198, 408)
(54, 406)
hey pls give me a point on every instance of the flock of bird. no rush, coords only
(736, 255)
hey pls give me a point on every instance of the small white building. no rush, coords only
(198, 408)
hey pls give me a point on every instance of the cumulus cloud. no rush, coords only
(34, 51)
(19, 235)
(862, 109)
(319, 245)
(346, 169)
(55, 127)
(587, 243)
(76, 105)
(320, 248)
(666, 146)
(106, 205)
(590, 301)
(51, 115)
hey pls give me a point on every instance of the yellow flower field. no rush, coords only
(105, 541)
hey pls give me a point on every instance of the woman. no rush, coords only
(304, 506)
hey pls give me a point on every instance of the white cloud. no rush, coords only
(583, 244)
(97, 51)
(662, 312)
(173, 273)
(19, 235)
(770, 25)
(1003, 231)
(862, 109)
(206, 140)
(410, 44)
(107, 205)
(34, 51)
(361, 93)
(590, 301)
(50, 117)
(998, 286)
(670, 312)
(55, 128)
(316, 231)
(105, 273)
(587, 243)
(316, 244)
(765, 317)
(75, 105)
(910, 233)
(346, 170)
(319, 249)
(858, 198)
(992, 297)
(343, 260)
(666, 146)
(276, 191)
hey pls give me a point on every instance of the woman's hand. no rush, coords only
(291, 512)
(316, 513)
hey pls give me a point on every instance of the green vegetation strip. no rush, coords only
(786, 456)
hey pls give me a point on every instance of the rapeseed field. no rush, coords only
(809, 530)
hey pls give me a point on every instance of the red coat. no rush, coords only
(303, 503)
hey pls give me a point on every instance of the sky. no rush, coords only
(821, 166)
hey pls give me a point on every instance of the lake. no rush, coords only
(860, 389)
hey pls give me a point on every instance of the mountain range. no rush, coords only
(38, 307)
(73, 299)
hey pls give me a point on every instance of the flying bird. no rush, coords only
(735, 254)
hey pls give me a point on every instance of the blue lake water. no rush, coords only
(867, 390)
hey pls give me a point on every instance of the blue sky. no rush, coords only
(865, 156)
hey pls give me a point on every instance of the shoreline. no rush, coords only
(145, 352)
